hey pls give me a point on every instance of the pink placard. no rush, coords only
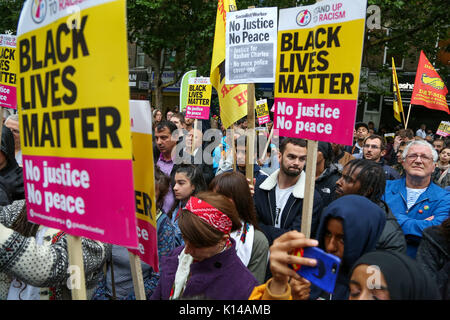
(264, 119)
(92, 198)
(8, 96)
(147, 244)
(316, 119)
(197, 112)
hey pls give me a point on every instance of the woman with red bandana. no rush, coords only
(207, 266)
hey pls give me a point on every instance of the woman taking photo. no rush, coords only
(207, 266)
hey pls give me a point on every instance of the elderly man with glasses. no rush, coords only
(415, 200)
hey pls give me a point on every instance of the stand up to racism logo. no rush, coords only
(38, 10)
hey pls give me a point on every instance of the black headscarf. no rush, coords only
(404, 277)
(11, 176)
(363, 222)
(8, 149)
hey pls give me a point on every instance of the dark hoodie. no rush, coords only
(363, 222)
(404, 277)
(11, 176)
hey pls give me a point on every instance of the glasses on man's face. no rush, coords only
(413, 157)
(371, 146)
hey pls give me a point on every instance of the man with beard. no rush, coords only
(279, 197)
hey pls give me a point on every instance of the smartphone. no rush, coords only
(324, 274)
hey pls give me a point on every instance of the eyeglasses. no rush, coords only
(371, 146)
(413, 157)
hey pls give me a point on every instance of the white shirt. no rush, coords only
(412, 195)
(421, 133)
(281, 197)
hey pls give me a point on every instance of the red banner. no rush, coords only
(429, 89)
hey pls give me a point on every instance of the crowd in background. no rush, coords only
(384, 201)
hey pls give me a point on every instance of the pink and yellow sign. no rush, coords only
(144, 185)
(73, 100)
(262, 111)
(317, 78)
(199, 98)
(8, 71)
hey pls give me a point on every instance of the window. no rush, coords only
(140, 57)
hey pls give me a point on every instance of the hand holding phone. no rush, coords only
(324, 274)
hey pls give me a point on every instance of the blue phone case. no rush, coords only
(324, 274)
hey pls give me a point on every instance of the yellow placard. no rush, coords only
(71, 101)
(262, 109)
(307, 59)
(143, 177)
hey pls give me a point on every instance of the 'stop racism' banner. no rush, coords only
(317, 78)
(73, 100)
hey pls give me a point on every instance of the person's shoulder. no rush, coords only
(439, 193)
(260, 239)
(397, 183)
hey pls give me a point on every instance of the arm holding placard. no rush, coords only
(20, 255)
(10, 213)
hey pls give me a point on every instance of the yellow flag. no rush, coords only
(232, 98)
(398, 107)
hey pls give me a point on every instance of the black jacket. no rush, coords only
(291, 217)
(391, 173)
(392, 237)
(433, 256)
(326, 184)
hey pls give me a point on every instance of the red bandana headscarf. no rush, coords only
(209, 214)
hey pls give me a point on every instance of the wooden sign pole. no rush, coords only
(407, 118)
(308, 199)
(264, 155)
(250, 149)
(194, 136)
(136, 274)
(76, 259)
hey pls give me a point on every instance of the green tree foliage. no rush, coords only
(9, 15)
(413, 25)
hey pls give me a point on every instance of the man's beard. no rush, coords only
(288, 172)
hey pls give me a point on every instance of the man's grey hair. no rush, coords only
(14, 117)
(421, 143)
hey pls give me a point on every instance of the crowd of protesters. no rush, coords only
(384, 202)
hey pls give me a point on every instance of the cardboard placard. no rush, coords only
(8, 71)
(199, 98)
(318, 66)
(251, 45)
(73, 99)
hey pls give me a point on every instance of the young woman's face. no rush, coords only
(444, 156)
(183, 188)
(158, 116)
(368, 283)
(334, 238)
